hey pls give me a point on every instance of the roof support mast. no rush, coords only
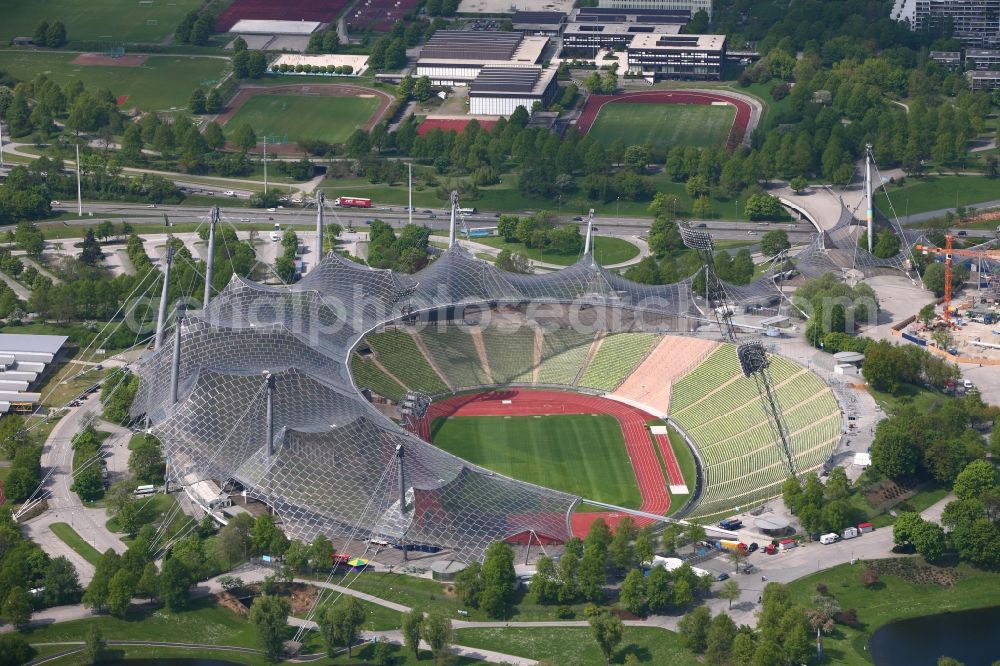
(161, 318)
(210, 265)
(454, 215)
(869, 211)
(320, 201)
(588, 242)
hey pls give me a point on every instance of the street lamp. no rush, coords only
(618, 206)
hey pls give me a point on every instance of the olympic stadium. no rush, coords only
(317, 399)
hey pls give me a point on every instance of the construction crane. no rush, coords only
(949, 251)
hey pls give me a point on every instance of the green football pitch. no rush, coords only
(300, 117)
(111, 21)
(162, 83)
(580, 454)
(663, 126)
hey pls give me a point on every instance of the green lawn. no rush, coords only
(97, 20)
(76, 542)
(663, 126)
(326, 118)
(579, 454)
(152, 511)
(575, 646)
(162, 83)
(607, 250)
(894, 599)
(919, 195)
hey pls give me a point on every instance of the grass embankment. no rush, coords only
(892, 598)
(575, 646)
(919, 195)
(685, 459)
(70, 537)
(153, 511)
(663, 126)
(163, 83)
(607, 250)
(112, 21)
(579, 454)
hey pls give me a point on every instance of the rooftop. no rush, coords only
(553, 19)
(470, 47)
(35, 344)
(262, 27)
(679, 42)
(621, 29)
(511, 80)
(615, 15)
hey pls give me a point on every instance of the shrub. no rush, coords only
(848, 616)
(347, 69)
(821, 588)
(565, 613)
(869, 577)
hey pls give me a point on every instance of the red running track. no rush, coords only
(736, 134)
(670, 460)
(518, 402)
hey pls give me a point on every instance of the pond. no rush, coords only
(968, 636)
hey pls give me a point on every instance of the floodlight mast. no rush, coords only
(701, 242)
(754, 363)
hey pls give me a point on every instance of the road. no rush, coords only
(64, 504)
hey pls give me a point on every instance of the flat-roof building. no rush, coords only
(697, 57)
(586, 39)
(983, 58)
(24, 360)
(539, 23)
(972, 22)
(456, 56)
(950, 59)
(498, 91)
(983, 79)
(690, 6)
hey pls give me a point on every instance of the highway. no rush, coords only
(437, 219)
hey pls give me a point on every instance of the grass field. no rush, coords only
(663, 126)
(894, 599)
(579, 454)
(163, 83)
(919, 195)
(70, 537)
(326, 118)
(607, 250)
(575, 646)
(97, 20)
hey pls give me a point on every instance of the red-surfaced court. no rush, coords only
(633, 421)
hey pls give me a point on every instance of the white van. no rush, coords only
(850, 533)
(827, 539)
(276, 232)
(967, 384)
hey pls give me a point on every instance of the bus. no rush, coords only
(145, 491)
(467, 211)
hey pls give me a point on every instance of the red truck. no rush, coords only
(352, 202)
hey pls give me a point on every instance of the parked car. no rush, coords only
(753, 547)
(722, 576)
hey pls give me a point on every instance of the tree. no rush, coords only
(774, 242)
(719, 640)
(545, 583)
(929, 540)
(213, 102)
(266, 538)
(513, 262)
(636, 158)
(633, 592)
(422, 89)
(60, 582)
(241, 63)
(607, 630)
(413, 622)
(340, 625)
(244, 138)
(41, 34)
(121, 589)
(269, 614)
(94, 647)
(893, 451)
(762, 207)
(90, 252)
(17, 606)
(498, 579)
(798, 184)
(174, 583)
(927, 314)
(659, 594)
(702, 207)
(976, 479)
(15, 650)
(693, 628)
(197, 104)
(438, 633)
(621, 551)
(644, 548)
(146, 460)
(731, 591)
(55, 37)
(257, 65)
(97, 592)
(149, 582)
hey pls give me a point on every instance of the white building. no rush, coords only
(24, 359)
(975, 22)
(498, 91)
(692, 6)
(453, 57)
